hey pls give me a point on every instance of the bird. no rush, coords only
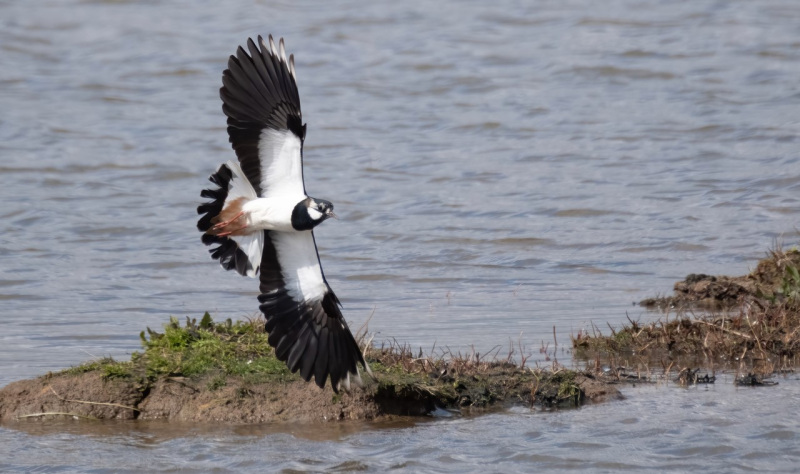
(260, 221)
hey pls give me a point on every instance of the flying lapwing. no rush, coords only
(260, 219)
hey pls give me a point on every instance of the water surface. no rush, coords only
(499, 169)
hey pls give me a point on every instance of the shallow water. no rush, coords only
(716, 428)
(499, 169)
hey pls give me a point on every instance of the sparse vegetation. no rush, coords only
(775, 279)
(207, 348)
(196, 350)
(759, 332)
(206, 370)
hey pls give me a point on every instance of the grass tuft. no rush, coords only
(760, 333)
(193, 349)
(197, 349)
(214, 356)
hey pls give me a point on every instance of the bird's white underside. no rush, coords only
(271, 213)
(282, 181)
(282, 189)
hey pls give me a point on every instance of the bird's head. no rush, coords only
(320, 209)
(311, 212)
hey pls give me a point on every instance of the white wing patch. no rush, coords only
(297, 256)
(281, 164)
(252, 245)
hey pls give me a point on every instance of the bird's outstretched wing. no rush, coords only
(304, 322)
(265, 126)
(260, 98)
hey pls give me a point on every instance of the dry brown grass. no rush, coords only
(759, 334)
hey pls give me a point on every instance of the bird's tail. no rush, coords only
(234, 252)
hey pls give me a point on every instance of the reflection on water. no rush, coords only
(499, 168)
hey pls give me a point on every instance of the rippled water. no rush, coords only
(666, 428)
(499, 168)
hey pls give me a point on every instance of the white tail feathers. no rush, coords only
(239, 187)
(251, 244)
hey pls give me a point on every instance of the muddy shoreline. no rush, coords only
(204, 371)
(91, 396)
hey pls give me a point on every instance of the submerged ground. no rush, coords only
(226, 371)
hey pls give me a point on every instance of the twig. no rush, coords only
(365, 326)
(49, 413)
(756, 336)
(90, 354)
(737, 333)
(93, 403)
(367, 346)
(496, 350)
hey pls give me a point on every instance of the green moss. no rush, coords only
(239, 349)
(107, 366)
(118, 370)
(217, 382)
(568, 389)
(238, 356)
(218, 350)
(558, 389)
(790, 286)
(623, 338)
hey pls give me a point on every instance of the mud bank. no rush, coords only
(227, 373)
(749, 324)
(775, 279)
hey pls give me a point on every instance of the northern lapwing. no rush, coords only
(261, 220)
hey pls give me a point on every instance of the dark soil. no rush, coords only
(92, 395)
(771, 280)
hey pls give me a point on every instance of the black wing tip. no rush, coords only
(312, 340)
(222, 178)
(230, 256)
(281, 78)
(267, 49)
(259, 90)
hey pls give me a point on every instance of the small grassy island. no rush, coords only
(210, 371)
(207, 371)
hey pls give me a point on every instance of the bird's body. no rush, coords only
(246, 213)
(262, 219)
